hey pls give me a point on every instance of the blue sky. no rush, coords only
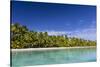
(56, 19)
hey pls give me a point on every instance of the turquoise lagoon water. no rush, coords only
(62, 56)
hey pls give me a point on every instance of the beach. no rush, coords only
(52, 48)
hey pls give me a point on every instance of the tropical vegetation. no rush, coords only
(22, 37)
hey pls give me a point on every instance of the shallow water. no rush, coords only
(62, 56)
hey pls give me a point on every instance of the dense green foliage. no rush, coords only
(21, 37)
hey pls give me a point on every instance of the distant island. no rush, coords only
(22, 37)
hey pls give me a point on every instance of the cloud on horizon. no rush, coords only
(89, 34)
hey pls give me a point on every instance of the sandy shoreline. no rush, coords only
(53, 48)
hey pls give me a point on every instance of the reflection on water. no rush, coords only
(29, 58)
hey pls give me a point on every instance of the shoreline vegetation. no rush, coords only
(53, 48)
(23, 38)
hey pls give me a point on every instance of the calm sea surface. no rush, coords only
(62, 56)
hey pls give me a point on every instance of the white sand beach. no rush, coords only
(52, 48)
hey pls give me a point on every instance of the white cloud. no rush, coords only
(89, 34)
(56, 32)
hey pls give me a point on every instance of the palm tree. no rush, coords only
(21, 37)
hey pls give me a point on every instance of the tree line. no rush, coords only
(22, 37)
